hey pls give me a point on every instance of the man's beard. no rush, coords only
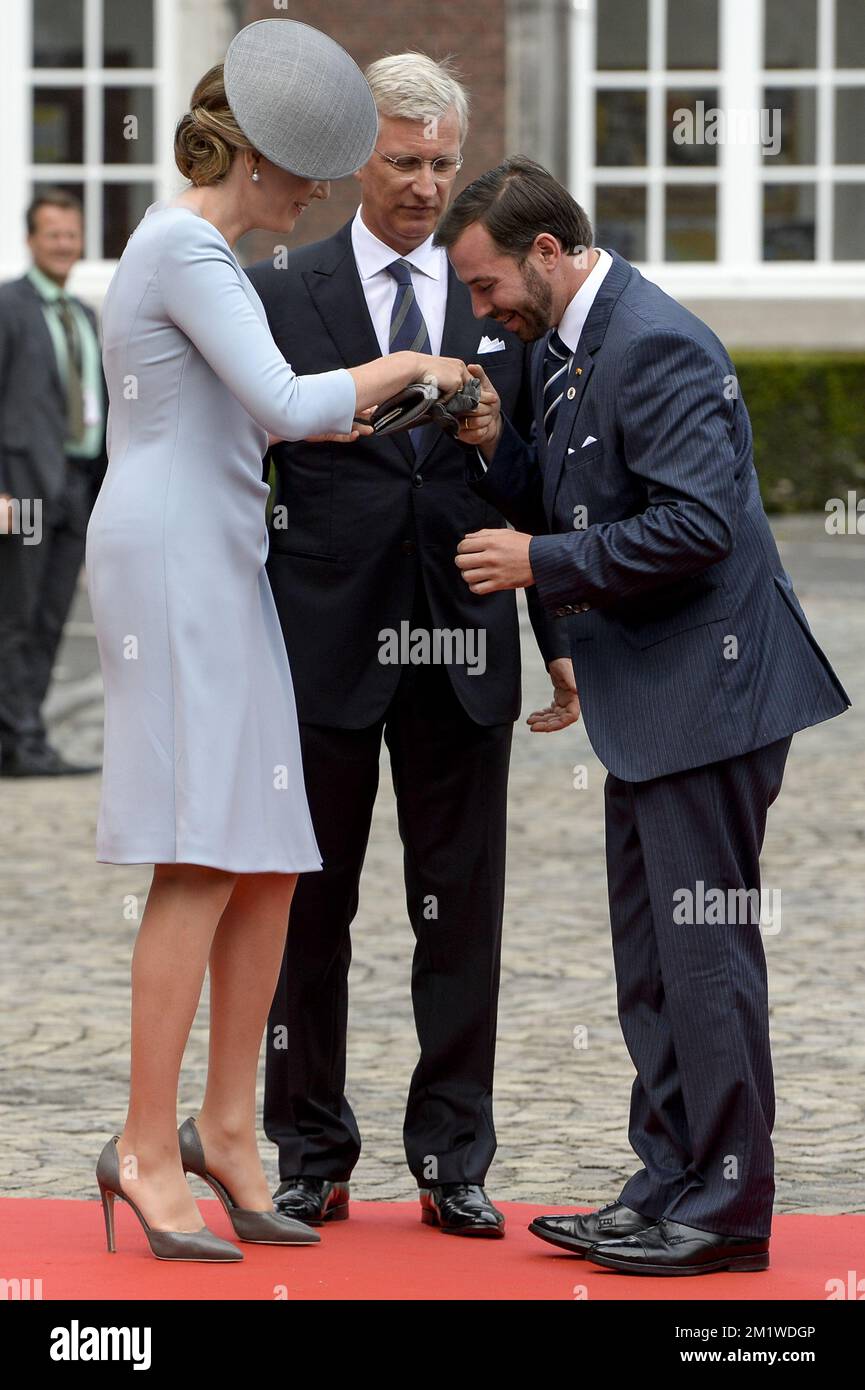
(536, 310)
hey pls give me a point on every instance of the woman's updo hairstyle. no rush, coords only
(207, 136)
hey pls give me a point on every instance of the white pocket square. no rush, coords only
(589, 439)
(491, 344)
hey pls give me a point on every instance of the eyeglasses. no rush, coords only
(444, 167)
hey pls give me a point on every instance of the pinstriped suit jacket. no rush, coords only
(689, 644)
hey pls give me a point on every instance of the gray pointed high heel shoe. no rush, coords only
(203, 1245)
(258, 1227)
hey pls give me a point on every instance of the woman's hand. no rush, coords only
(339, 438)
(359, 428)
(449, 374)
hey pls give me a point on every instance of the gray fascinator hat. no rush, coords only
(300, 99)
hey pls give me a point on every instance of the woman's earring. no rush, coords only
(255, 175)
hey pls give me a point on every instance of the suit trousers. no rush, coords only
(450, 781)
(692, 988)
(37, 587)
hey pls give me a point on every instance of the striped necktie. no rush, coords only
(408, 331)
(557, 362)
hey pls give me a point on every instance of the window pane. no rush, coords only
(621, 128)
(127, 34)
(58, 125)
(788, 222)
(850, 125)
(850, 34)
(620, 220)
(58, 33)
(791, 33)
(692, 33)
(691, 222)
(622, 35)
(849, 222)
(123, 206)
(128, 125)
(693, 127)
(796, 123)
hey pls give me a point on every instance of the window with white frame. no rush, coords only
(723, 131)
(92, 87)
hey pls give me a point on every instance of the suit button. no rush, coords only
(417, 480)
(408, 547)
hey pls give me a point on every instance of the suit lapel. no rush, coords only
(336, 290)
(577, 378)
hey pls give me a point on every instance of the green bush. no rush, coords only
(807, 411)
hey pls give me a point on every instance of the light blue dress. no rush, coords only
(202, 759)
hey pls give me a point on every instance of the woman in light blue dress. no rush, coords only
(202, 768)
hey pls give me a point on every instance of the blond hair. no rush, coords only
(416, 87)
(208, 135)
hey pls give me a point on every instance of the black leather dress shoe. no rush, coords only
(43, 761)
(460, 1209)
(671, 1248)
(577, 1234)
(312, 1200)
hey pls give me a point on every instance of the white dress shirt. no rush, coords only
(429, 278)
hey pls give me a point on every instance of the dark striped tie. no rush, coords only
(74, 388)
(408, 332)
(557, 361)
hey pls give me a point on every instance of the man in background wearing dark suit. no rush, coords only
(639, 521)
(52, 460)
(361, 551)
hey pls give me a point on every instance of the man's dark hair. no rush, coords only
(515, 202)
(51, 198)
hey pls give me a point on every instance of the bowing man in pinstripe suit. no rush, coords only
(639, 521)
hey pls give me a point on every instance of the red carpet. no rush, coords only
(383, 1252)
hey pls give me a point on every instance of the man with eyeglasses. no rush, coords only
(361, 546)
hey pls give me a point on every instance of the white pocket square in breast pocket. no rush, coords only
(491, 345)
(589, 439)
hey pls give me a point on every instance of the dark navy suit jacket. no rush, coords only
(651, 544)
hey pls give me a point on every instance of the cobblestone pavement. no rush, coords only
(561, 1110)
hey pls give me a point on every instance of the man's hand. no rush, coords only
(484, 426)
(493, 560)
(565, 706)
(7, 515)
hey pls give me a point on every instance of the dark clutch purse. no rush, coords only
(419, 404)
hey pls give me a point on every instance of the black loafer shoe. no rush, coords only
(577, 1234)
(312, 1200)
(40, 762)
(671, 1248)
(460, 1209)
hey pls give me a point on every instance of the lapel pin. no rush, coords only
(578, 371)
(572, 391)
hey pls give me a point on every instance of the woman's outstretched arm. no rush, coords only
(204, 295)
